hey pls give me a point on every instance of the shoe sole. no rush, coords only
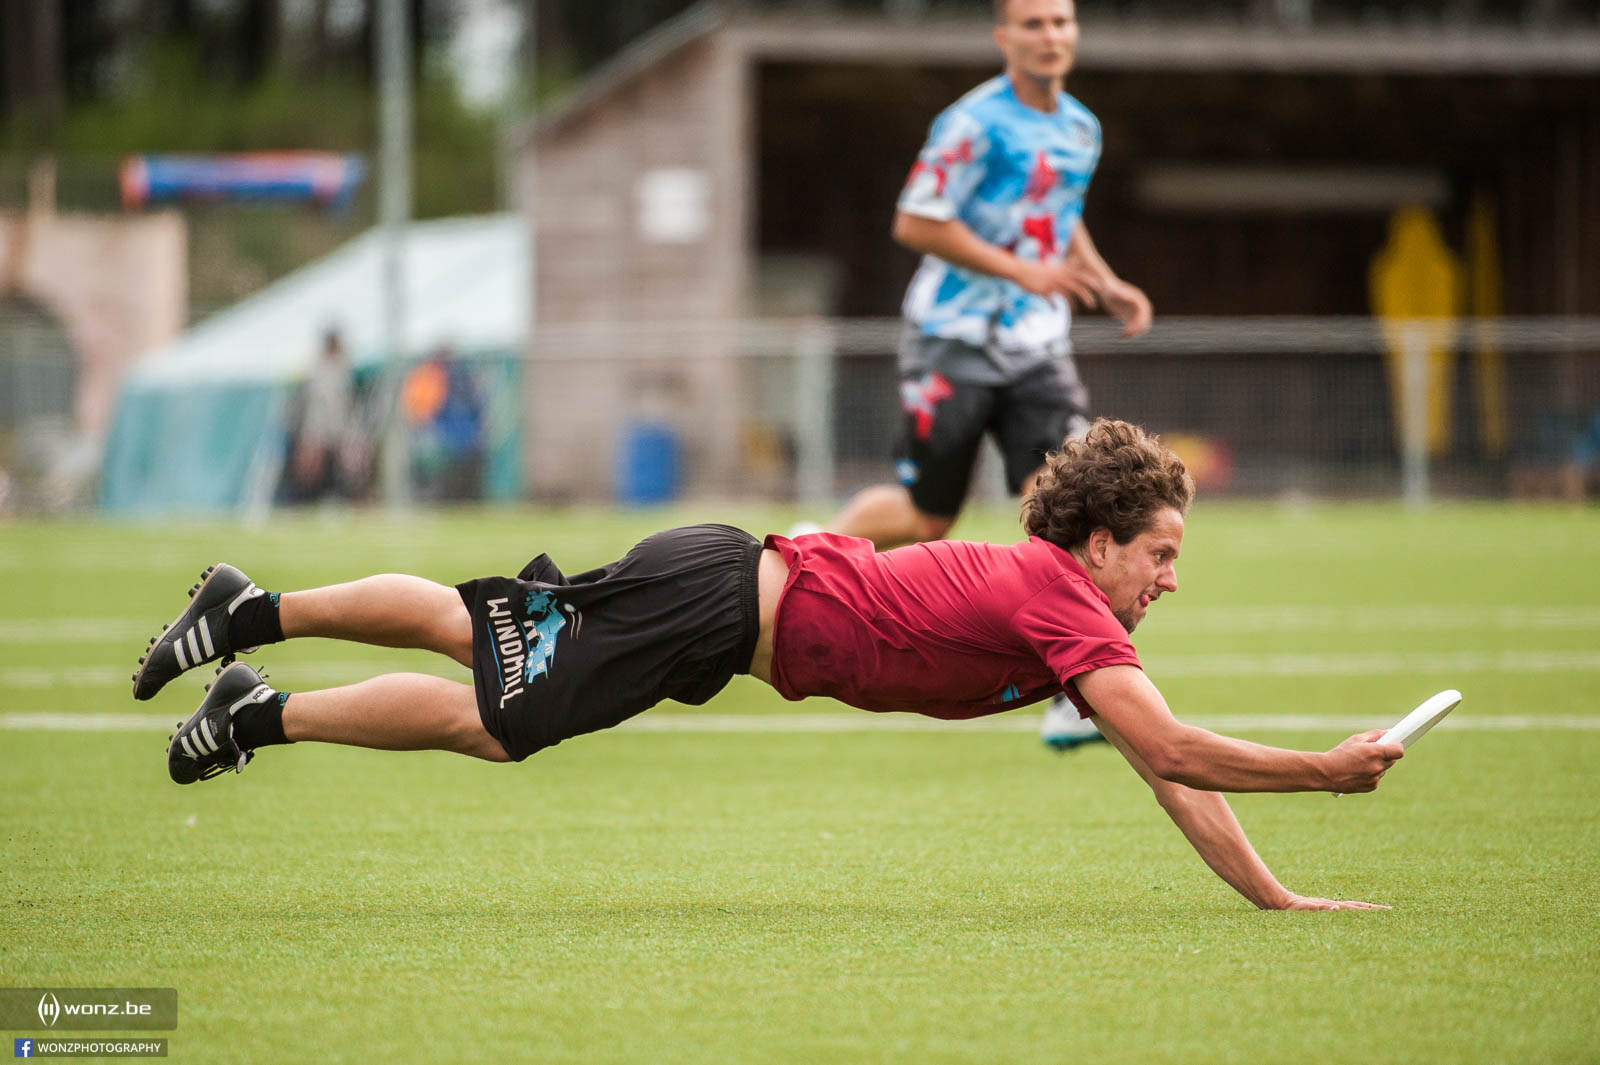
(206, 578)
(1072, 743)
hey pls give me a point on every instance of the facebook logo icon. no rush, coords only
(24, 1048)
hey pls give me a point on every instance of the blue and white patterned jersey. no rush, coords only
(1016, 177)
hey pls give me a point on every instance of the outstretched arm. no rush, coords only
(1207, 822)
(1183, 754)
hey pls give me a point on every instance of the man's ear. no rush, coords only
(1098, 547)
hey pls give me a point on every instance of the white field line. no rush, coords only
(1435, 618)
(322, 673)
(1371, 663)
(1210, 619)
(37, 631)
(666, 721)
(1160, 667)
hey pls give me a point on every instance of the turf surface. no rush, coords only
(805, 896)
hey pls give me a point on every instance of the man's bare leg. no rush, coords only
(886, 515)
(397, 712)
(394, 712)
(390, 610)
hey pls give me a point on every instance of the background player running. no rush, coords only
(995, 205)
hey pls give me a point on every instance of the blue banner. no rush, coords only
(317, 177)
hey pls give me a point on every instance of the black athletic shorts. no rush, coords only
(945, 421)
(554, 656)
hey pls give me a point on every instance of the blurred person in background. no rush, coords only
(444, 405)
(995, 206)
(322, 454)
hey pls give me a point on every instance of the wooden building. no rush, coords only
(738, 165)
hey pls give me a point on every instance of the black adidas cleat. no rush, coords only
(203, 746)
(199, 634)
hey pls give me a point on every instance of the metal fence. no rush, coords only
(808, 409)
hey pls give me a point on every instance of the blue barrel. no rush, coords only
(649, 463)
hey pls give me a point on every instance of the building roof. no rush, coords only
(1108, 44)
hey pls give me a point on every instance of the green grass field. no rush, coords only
(762, 891)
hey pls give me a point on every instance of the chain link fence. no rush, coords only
(808, 409)
(1340, 406)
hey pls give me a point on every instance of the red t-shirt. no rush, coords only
(949, 629)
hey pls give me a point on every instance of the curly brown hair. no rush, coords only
(1117, 477)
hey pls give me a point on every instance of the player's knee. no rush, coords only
(489, 749)
(472, 739)
(452, 635)
(930, 527)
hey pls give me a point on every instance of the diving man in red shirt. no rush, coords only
(948, 629)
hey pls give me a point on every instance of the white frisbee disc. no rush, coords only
(1416, 724)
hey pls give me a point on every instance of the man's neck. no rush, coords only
(1039, 94)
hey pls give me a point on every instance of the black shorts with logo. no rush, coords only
(945, 419)
(555, 656)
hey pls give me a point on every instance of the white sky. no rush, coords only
(483, 55)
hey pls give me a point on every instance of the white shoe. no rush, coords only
(1062, 729)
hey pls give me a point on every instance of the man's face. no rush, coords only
(1135, 574)
(1039, 38)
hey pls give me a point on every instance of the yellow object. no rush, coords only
(1208, 459)
(1415, 283)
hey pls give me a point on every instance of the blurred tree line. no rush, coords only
(94, 80)
(104, 78)
(88, 82)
